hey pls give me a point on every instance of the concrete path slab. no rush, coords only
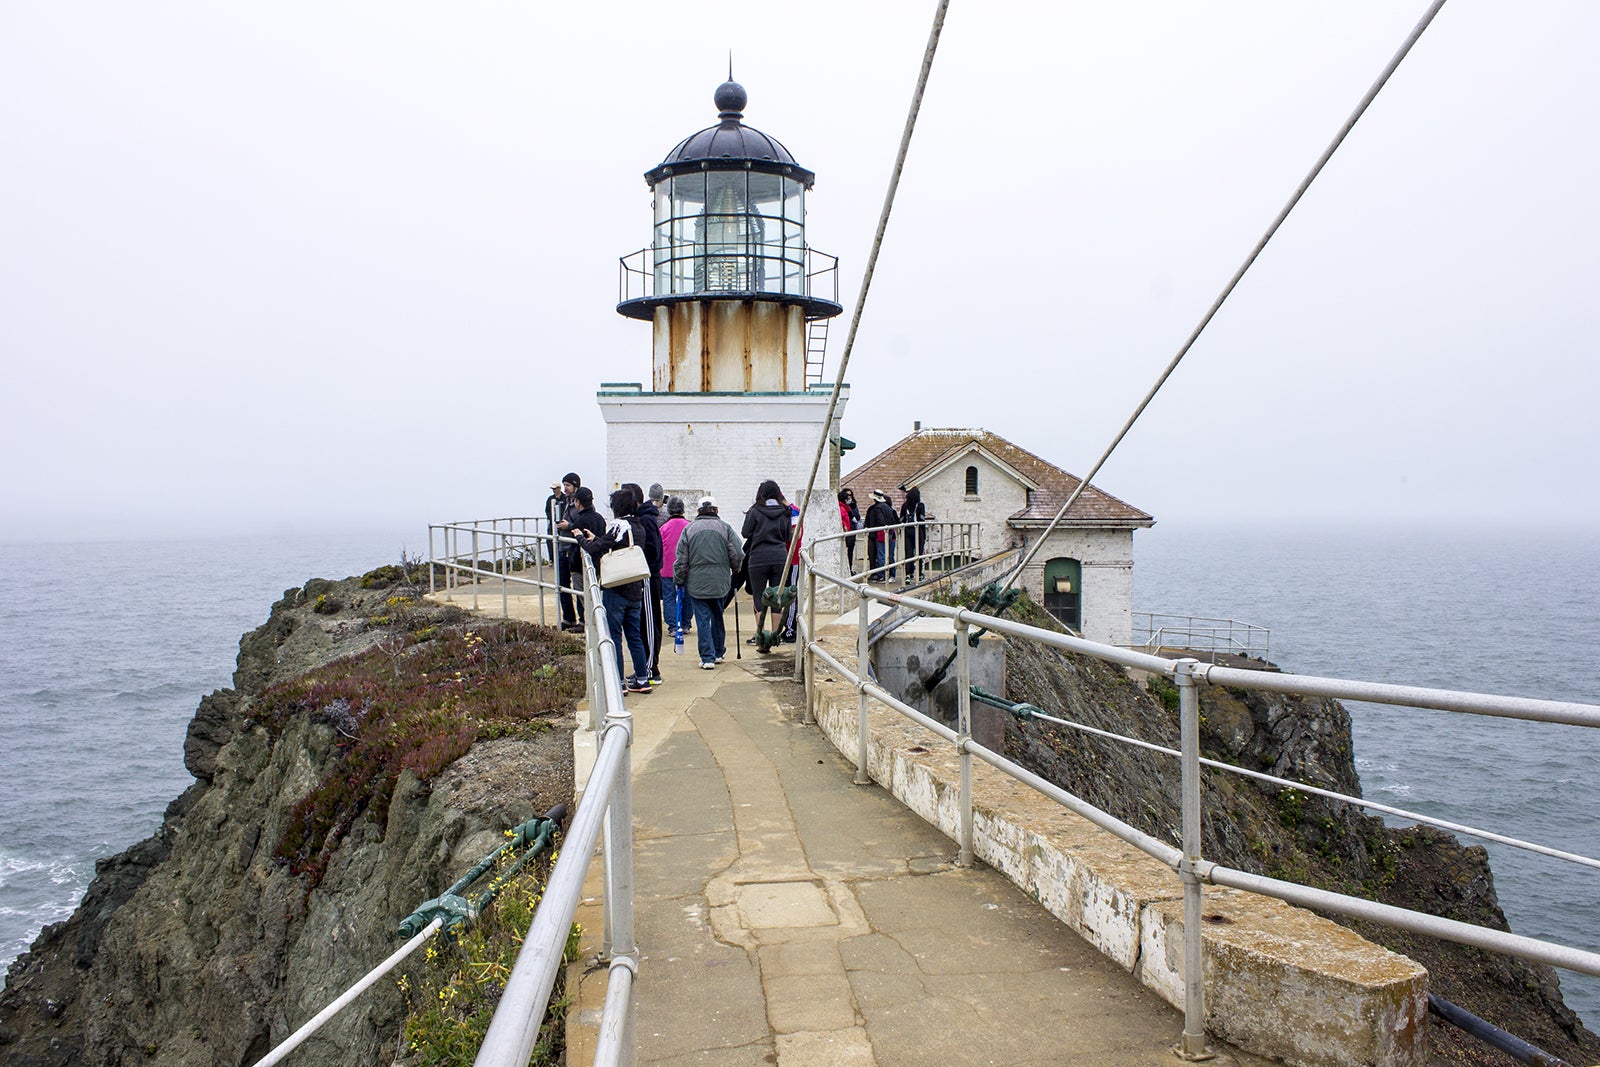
(788, 916)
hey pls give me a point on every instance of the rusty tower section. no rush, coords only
(734, 294)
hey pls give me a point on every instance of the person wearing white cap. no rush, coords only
(708, 554)
(880, 540)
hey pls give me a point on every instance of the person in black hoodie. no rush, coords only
(915, 537)
(650, 514)
(624, 604)
(766, 539)
(581, 516)
(569, 575)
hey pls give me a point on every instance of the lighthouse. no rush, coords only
(739, 305)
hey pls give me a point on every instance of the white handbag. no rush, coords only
(623, 565)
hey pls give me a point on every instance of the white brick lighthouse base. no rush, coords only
(724, 444)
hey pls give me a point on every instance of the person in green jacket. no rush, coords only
(708, 554)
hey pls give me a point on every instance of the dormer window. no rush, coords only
(972, 481)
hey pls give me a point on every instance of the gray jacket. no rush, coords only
(708, 554)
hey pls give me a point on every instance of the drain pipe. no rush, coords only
(1491, 1034)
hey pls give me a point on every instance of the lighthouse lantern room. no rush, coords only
(728, 279)
(739, 305)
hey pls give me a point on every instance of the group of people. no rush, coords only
(696, 566)
(885, 526)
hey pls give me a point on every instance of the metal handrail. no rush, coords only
(797, 272)
(607, 804)
(939, 540)
(1188, 674)
(1199, 633)
(502, 546)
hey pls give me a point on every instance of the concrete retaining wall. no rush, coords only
(1280, 981)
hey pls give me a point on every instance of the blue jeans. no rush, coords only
(626, 620)
(881, 556)
(679, 611)
(710, 634)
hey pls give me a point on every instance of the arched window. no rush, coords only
(972, 481)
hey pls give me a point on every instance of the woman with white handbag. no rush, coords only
(619, 554)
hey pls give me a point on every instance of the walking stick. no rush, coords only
(738, 644)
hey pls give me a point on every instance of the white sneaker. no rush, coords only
(707, 665)
(722, 657)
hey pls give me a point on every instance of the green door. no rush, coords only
(1063, 591)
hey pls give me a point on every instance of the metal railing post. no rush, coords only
(800, 642)
(449, 564)
(862, 777)
(964, 729)
(474, 568)
(431, 589)
(810, 715)
(538, 564)
(505, 577)
(618, 851)
(1193, 1044)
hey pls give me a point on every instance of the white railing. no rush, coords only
(519, 550)
(1154, 631)
(913, 551)
(607, 805)
(1188, 675)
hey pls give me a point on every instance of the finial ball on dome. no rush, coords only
(731, 96)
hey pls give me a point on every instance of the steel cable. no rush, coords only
(1233, 282)
(877, 244)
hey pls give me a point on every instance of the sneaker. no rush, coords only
(707, 665)
(722, 657)
(636, 686)
(749, 640)
(656, 679)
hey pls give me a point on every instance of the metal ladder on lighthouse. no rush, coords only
(816, 350)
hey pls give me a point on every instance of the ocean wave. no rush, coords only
(13, 868)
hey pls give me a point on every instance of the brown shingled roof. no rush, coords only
(919, 455)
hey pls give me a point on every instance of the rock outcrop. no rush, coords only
(202, 945)
(1288, 833)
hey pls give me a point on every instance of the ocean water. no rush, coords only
(105, 649)
(1493, 610)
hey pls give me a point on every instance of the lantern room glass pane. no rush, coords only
(734, 230)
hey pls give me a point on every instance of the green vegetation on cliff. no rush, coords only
(416, 702)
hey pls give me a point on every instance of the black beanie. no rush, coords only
(573, 478)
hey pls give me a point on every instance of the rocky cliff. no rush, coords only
(337, 786)
(1288, 833)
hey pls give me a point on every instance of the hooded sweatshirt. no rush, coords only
(766, 533)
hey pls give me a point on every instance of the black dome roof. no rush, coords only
(730, 145)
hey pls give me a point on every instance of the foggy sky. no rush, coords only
(301, 265)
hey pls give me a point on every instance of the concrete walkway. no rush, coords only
(787, 916)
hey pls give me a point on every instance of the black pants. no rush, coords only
(569, 572)
(655, 616)
(763, 575)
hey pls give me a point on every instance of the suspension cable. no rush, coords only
(877, 244)
(1238, 275)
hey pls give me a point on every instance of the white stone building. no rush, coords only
(1083, 575)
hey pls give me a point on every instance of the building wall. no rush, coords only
(945, 497)
(1107, 558)
(725, 445)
